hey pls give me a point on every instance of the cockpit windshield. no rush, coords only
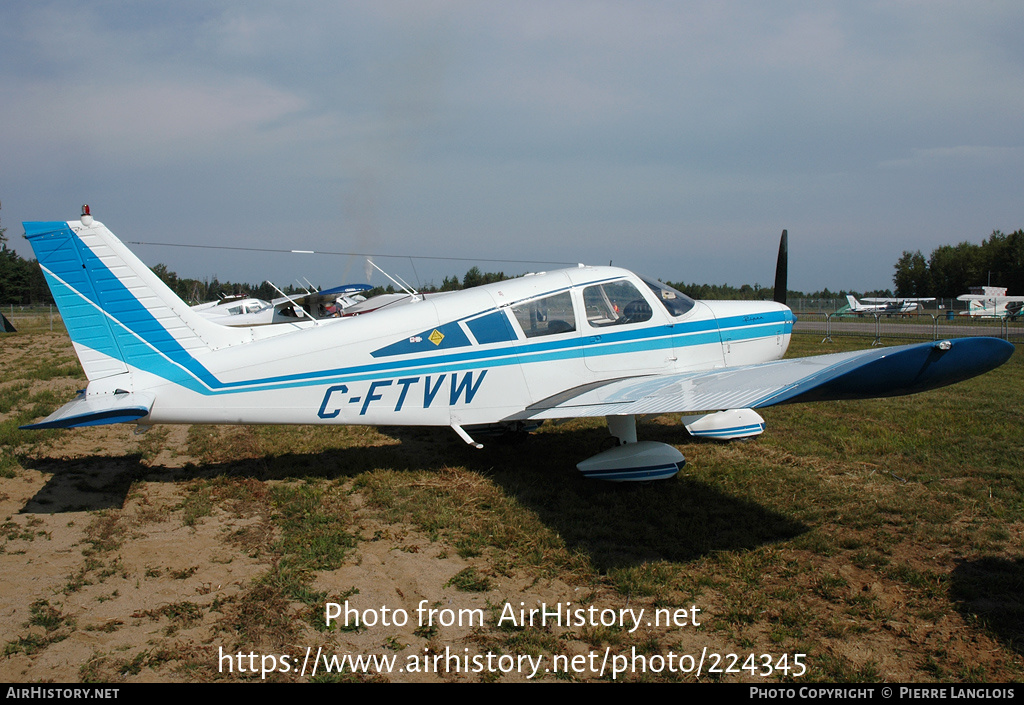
(676, 302)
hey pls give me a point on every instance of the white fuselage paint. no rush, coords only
(328, 374)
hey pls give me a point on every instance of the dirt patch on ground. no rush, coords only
(216, 554)
(135, 590)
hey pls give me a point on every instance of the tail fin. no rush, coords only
(118, 313)
(854, 305)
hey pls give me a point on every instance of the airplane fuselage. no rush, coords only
(469, 357)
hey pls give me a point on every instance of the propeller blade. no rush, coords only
(782, 269)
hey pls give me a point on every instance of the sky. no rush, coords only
(676, 139)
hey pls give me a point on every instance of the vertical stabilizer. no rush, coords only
(117, 311)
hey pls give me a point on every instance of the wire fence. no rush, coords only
(920, 326)
(938, 307)
(33, 318)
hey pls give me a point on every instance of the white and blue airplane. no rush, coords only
(991, 302)
(244, 312)
(887, 306)
(580, 342)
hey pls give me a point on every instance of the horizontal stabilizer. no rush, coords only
(98, 410)
(865, 374)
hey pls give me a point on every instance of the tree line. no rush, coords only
(746, 292)
(952, 269)
(21, 280)
(22, 283)
(197, 291)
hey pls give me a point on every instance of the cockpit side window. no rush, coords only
(675, 302)
(615, 304)
(547, 316)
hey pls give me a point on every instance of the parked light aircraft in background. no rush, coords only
(243, 312)
(991, 302)
(586, 341)
(890, 307)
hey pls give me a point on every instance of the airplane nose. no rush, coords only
(752, 331)
(766, 310)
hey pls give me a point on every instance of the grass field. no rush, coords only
(880, 539)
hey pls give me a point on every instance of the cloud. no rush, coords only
(567, 127)
(156, 119)
(961, 156)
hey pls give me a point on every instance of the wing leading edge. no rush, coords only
(865, 374)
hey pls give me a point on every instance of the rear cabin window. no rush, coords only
(548, 316)
(615, 304)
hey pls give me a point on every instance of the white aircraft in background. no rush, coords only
(991, 302)
(888, 306)
(586, 341)
(243, 312)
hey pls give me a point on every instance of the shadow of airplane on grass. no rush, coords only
(618, 525)
(84, 484)
(991, 590)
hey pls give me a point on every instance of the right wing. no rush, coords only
(865, 374)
